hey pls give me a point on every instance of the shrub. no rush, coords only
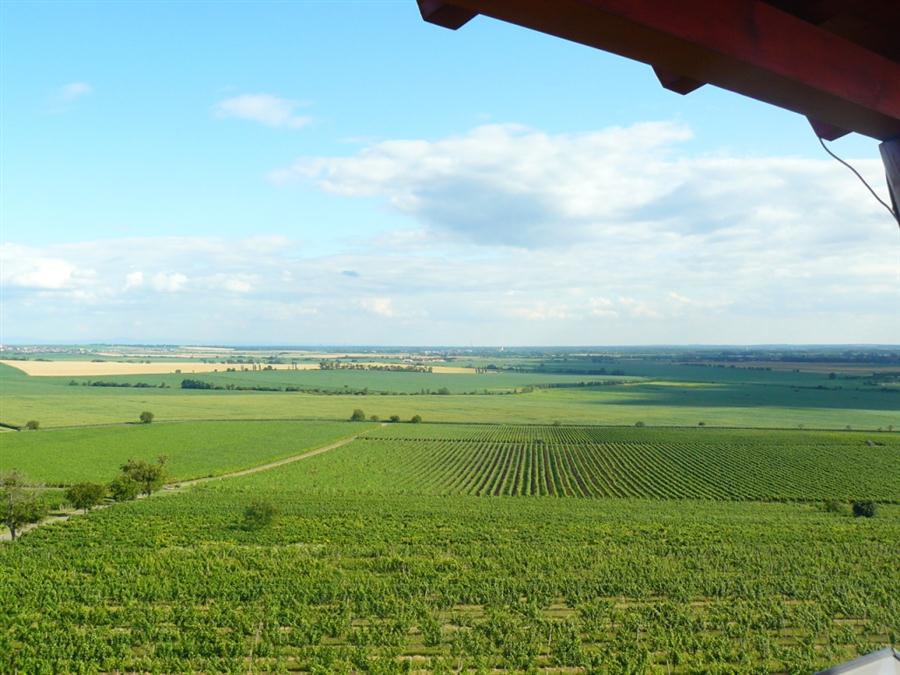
(864, 509)
(566, 647)
(195, 384)
(146, 417)
(124, 489)
(358, 416)
(259, 513)
(32, 425)
(833, 506)
(416, 419)
(395, 418)
(638, 424)
(85, 495)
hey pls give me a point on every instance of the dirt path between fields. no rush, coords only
(180, 485)
(177, 486)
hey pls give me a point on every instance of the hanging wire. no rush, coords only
(862, 180)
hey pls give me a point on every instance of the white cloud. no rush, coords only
(610, 237)
(74, 90)
(538, 311)
(134, 280)
(168, 282)
(684, 288)
(236, 283)
(21, 267)
(263, 108)
(514, 186)
(601, 307)
(380, 306)
(639, 309)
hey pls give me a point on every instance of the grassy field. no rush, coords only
(65, 456)
(374, 381)
(52, 402)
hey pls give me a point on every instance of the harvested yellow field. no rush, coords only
(435, 369)
(75, 368)
(387, 358)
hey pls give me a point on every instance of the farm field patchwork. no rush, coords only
(57, 368)
(54, 403)
(310, 378)
(559, 547)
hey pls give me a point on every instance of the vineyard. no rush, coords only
(612, 462)
(387, 584)
(387, 555)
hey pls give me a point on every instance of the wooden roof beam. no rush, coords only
(745, 46)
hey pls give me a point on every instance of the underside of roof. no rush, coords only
(835, 61)
(883, 662)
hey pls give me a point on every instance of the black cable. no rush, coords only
(863, 180)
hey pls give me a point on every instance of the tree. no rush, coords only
(259, 513)
(373, 418)
(395, 418)
(358, 416)
(149, 476)
(18, 505)
(124, 489)
(32, 425)
(864, 509)
(85, 496)
(416, 419)
(146, 417)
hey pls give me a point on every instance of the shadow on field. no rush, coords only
(752, 396)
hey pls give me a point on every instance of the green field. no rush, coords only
(384, 583)
(532, 531)
(669, 403)
(65, 456)
(336, 381)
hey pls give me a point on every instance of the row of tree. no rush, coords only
(21, 503)
(360, 416)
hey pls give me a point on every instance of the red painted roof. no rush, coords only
(835, 61)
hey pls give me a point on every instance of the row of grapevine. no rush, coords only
(385, 583)
(488, 466)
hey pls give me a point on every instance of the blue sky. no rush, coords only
(342, 172)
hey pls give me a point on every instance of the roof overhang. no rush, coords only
(835, 61)
(883, 662)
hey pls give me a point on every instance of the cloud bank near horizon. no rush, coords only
(506, 235)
